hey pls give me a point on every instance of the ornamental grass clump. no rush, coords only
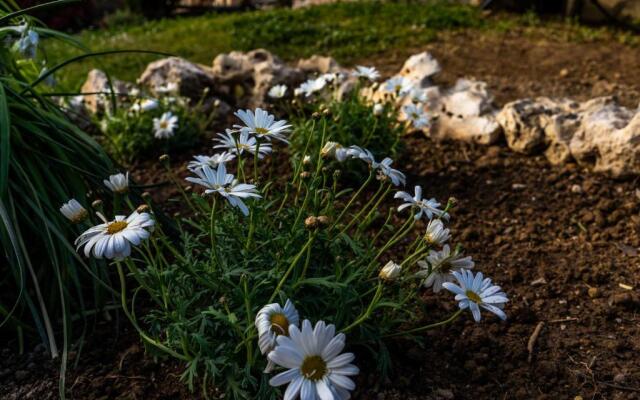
(281, 277)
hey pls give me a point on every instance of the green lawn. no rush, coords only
(347, 31)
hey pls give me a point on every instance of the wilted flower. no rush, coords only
(425, 207)
(262, 124)
(74, 211)
(416, 115)
(390, 271)
(113, 239)
(218, 181)
(370, 73)
(272, 321)
(362, 154)
(165, 125)
(278, 91)
(436, 232)
(211, 161)
(475, 292)
(243, 142)
(438, 267)
(398, 85)
(396, 176)
(118, 183)
(315, 367)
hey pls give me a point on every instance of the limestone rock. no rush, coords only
(420, 68)
(608, 139)
(97, 81)
(466, 112)
(319, 65)
(189, 79)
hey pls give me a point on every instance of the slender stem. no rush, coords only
(143, 335)
(344, 210)
(212, 234)
(369, 310)
(291, 266)
(452, 318)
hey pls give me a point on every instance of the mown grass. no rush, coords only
(348, 31)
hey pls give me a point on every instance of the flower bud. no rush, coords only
(390, 271)
(142, 208)
(96, 203)
(305, 174)
(306, 160)
(378, 109)
(311, 222)
(164, 158)
(329, 149)
(146, 195)
(323, 220)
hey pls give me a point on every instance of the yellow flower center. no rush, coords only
(116, 226)
(279, 324)
(262, 131)
(473, 296)
(164, 124)
(313, 368)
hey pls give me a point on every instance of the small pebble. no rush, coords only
(576, 189)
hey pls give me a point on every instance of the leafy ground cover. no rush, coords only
(350, 32)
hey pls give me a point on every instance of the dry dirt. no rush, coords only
(562, 242)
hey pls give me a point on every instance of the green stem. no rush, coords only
(344, 210)
(212, 234)
(427, 327)
(291, 266)
(369, 310)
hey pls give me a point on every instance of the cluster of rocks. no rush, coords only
(599, 134)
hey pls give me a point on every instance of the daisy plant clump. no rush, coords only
(145, 125)
(285, 279)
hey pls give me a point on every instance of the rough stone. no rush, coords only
(420, 69)
(466, 112)
(190, 79)
(97, 81)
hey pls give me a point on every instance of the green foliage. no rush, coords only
(353, 122)
(129, 134)
(44, 161)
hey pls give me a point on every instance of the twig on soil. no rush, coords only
(619, 387)
(533, 338)
(567, 319)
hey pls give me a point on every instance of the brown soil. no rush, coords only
(561, 241)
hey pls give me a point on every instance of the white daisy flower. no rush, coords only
(436, 232)
(145, 105)
(211, 161)
(218, 181)
(272, 321)
(262, 124)
(418, 95)
(390, 271)
(169, 87)
(429, 208)
(113, 240)
(475, 292)
(242, 142)
(277, 92)
(398, 85)
(74, 211)
(118, 183)
(397, 177)
(416, 115)
(370, 73)
(165, 125)
(333, 149)
(362, 154)
(311, 86)
(438, 267)
(378, 109)
(315, 367)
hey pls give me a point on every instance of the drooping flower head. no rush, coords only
(74, 211)
(118, 183)
(272, 321)
(475, 292)
(165, 126)
(262, 124)
(385, 170)
(438, 267)
(113, 239)
(428, 208)
(390, 271)
(239, 142)
(334, 149)
(212, 161)
(277, 92)
(315, 367)
(370, 73)
(218, 181)
(436, 233)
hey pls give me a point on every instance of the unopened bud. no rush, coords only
(96, 203)
(326, 111)
(188, 188)
(176, 215)
(164, 158)
(390, 271)
(323, 220)
(311, 222)
(146, 195)
(142, 208)
(305, 174)
(306, 160)
(315, 115)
